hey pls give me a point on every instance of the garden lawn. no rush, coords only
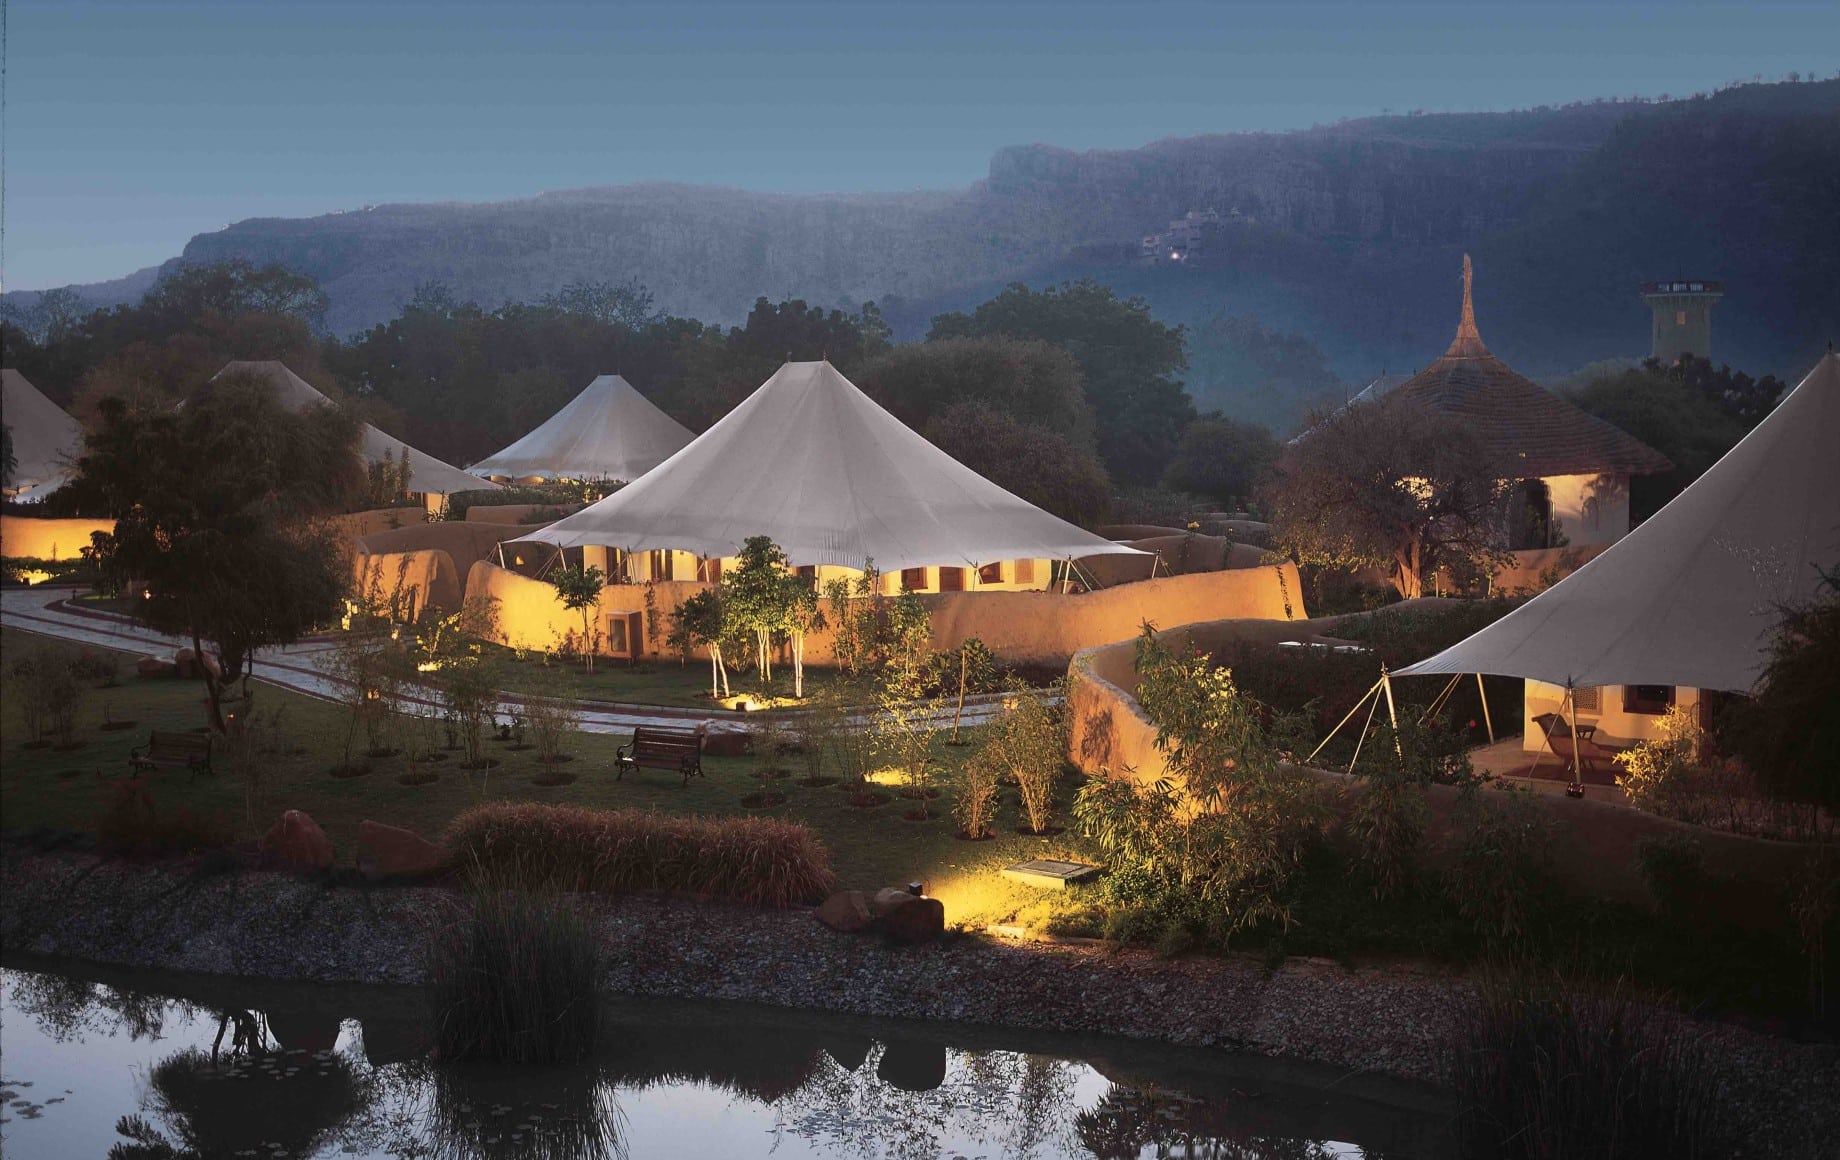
(658, 681)
(41, 787)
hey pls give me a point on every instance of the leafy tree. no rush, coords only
(232, 289)
(579, 589)
(973, 667)
(628, 304)
(1028, 381)
(216, 510)
(1393, 485)
(1127, 359)
(754, 598)
(1689, 412)
(800, 614)
(701, 621)
(1031, 462)
(1789, 732)
(1221, 457)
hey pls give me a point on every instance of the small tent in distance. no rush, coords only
(834, 480)
(607, 432)
(46, 440)
(1687, 600)
(428, 476)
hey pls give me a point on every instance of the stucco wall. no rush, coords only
(1615, 726)
(48, 539)
(1529, 570)
(1590, 509)
(1027, 627)
(413, 580)
(366, 523)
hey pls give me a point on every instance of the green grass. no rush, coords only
(656, 681)
(870, 848)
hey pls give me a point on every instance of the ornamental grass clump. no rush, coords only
(513, 975)
(1544, 1069)
(756, 861)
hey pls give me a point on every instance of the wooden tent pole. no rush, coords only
(1483, 694)
(1342, 722)
(1392, 714)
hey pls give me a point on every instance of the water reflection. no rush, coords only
(233, 1068)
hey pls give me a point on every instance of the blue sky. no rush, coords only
(132, 126)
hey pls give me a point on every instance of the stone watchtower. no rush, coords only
(1683, 318)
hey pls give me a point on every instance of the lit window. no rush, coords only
(1680, 318)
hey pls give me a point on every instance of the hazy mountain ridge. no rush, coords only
(1348, 233)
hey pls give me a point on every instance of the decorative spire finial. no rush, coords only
(1468, 343)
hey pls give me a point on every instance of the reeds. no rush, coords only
(757, 861)
(513, 977)
(1544, 1069)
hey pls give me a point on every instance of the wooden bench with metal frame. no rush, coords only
(661, 747)
(165, 750)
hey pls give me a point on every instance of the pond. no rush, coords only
(141, 1065)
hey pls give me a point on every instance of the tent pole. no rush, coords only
(1437, 704)
(1342, 722)
(1362, 740)
(1571, 722)
(1392, 714)
(1483, 694)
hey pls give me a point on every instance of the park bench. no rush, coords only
(173, 750)
(661, 747)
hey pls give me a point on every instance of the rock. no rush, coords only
(847, 911)
(889, 899)
(912, 1065)
(726, 743)
(155, 667)
(186, 661)
(297, 843)
(391, 852)
(921, 920)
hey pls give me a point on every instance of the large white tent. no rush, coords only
(427, 474)
(46, 441)
(609, 431)
(1689, 598)
(814, 463)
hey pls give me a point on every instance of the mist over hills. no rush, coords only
(1346, 235)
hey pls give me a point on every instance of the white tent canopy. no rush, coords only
(814, 463)
(426, 473)
(1689, 597)
(609, 431)
(46, 441)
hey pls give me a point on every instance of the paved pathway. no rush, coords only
(301, 667)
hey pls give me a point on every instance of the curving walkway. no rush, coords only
(301, 668)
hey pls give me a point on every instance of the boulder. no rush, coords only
(912, 1065)
(391, 852)
(297, 843)
(186, 661)
(155, 667)
(889, 899)
(921, 920)
(847, 911)
(726, 743)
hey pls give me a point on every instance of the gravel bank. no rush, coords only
(1391, 1021)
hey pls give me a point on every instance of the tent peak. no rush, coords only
(1468, 343)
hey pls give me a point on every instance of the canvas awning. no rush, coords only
(426, 473)
(817, 465)
(609, 431)
(46, 441)
(1690, 596)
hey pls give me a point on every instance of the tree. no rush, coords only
(800, 613)
(754, 598)
(1028, 381)
(1689, 412)
(217, 511)
(628, 304)
(1789, 732)
(1222, 458)
(231, 289)
(1127, 359)
(700, 621)
(973, 666)
(1393, 485)
(1031, 462)
(579, 589)
(1258, 375)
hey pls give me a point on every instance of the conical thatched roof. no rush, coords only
(1519, 421)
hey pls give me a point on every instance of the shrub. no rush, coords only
(757, 861)
(101, 668)
(1674, 868)
(1544, 1069)
(814, 732)
(57, 684)
(468, 698)
(1654, 772)
(1789, 732)
(1387, 825)
(1029, 743)
(1500, 861)
(552, 723)
(974, 805)
(129, 823)
(513, 978)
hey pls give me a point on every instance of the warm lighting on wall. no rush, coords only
(428, 666)
(34, 576)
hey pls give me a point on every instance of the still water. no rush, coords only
(160, 1066)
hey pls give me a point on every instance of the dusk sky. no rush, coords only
(132, 126)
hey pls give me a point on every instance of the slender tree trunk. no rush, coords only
(587, 643)
(714, 667)
(798, 665)
(959, 713)
(213, 694)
